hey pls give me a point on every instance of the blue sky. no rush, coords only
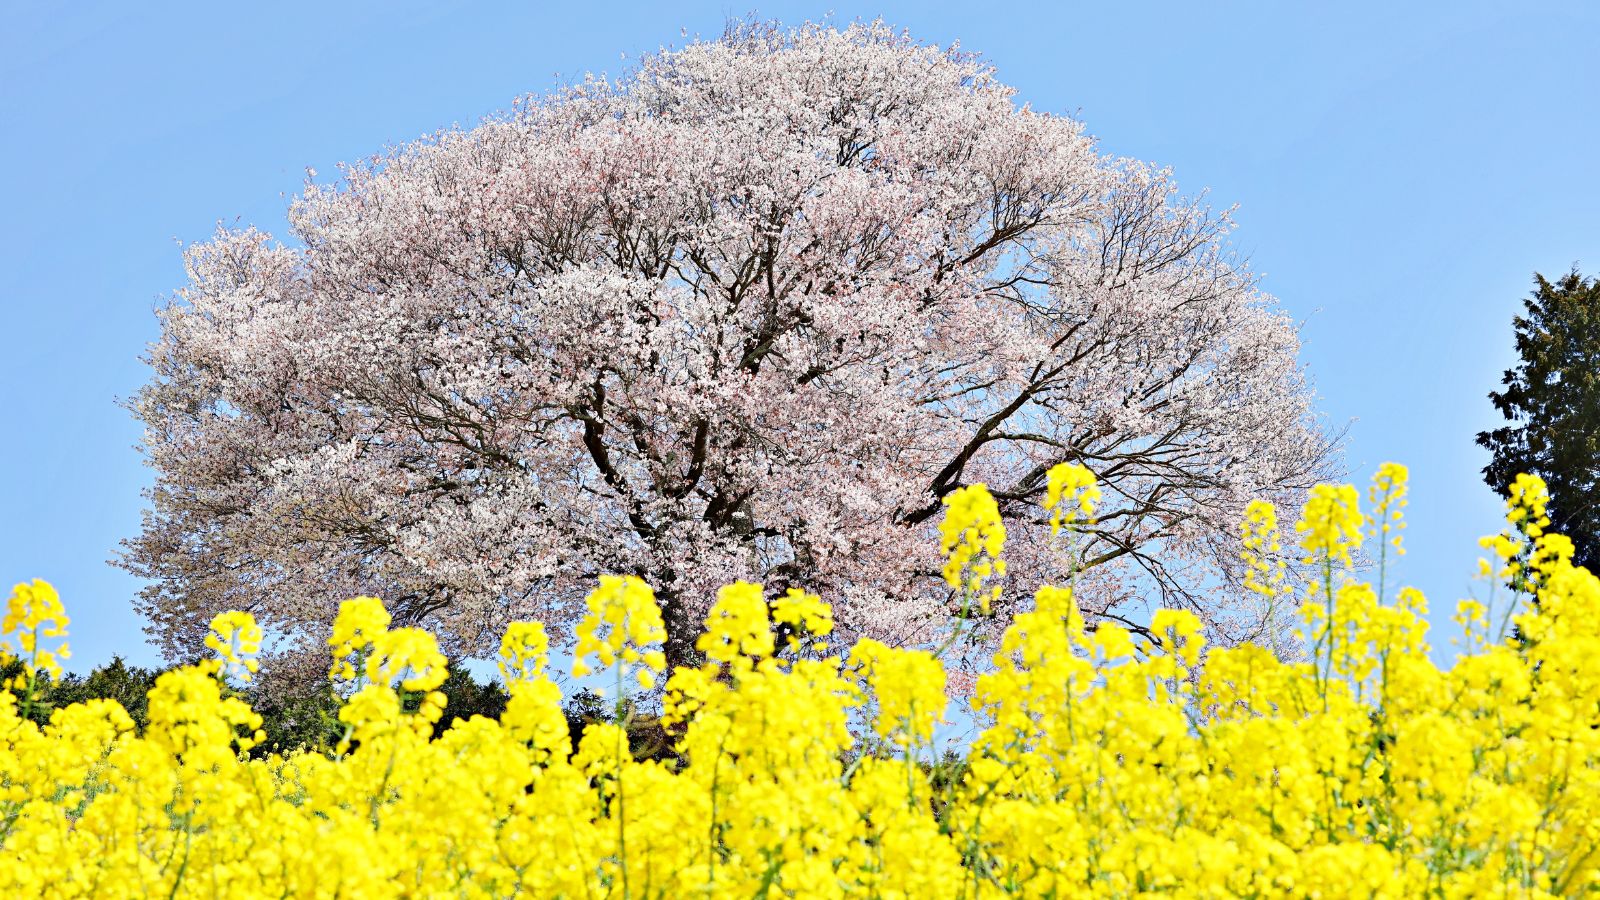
(1401, 171)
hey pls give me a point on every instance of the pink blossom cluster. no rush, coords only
(749, 312)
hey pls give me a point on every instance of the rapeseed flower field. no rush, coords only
(1108, 763)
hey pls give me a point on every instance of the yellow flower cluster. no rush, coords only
(236, 639)
(1389, 497)
(389, 678)
(971, 537)
(360, 620)
(1524, 551)
(1330, 525)
(33, 612)
(191, 716)
(738, 629)
(1108, 762)
(908, 687)
(524, 652)
(1071, 492)
(1265, 569)
(799, 614)
(622, 624)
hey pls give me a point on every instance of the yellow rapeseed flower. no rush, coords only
(1107, 759)
(972, 537)
(623, 624)
(1071, 492)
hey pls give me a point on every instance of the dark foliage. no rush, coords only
(116, 680)
(309, 719)
(1552, 402)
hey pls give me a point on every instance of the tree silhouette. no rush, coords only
(1552, 401)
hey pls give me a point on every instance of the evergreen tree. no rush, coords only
(1552, 401)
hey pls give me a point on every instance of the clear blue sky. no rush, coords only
(1401, 171)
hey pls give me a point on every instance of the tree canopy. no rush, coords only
(750, 311)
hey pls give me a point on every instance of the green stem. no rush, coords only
(624, 716)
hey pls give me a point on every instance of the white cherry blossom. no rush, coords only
(749, 312)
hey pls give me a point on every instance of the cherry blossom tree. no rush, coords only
(750, 312)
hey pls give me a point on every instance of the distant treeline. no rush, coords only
(310, 719)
